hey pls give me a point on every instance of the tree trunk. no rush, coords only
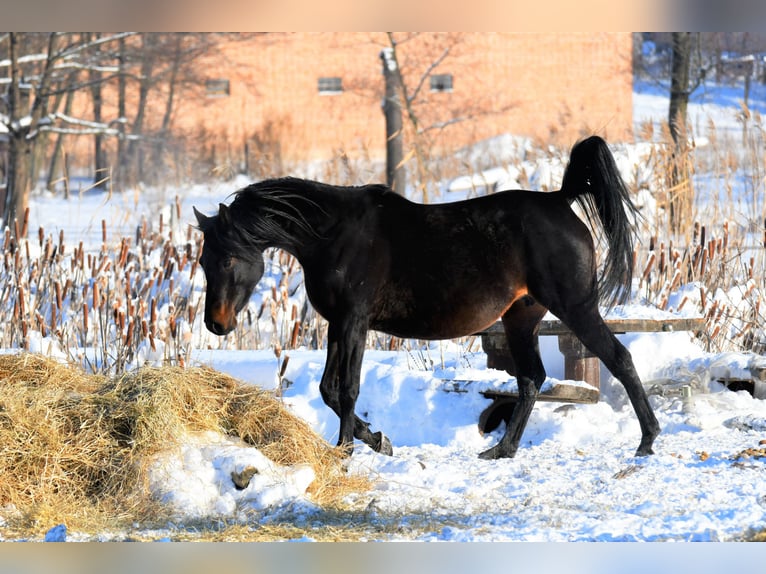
(122, 158)
(680, 190)
(392, 108)
(100, 168)
(24, 128)
(679, 84)
(135, 149)
(161, 141)
(57, 155)
(19, 149)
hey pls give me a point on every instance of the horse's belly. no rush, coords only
(447, 323)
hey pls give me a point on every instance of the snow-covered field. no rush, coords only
(574, 478)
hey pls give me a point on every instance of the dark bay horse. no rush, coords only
(374, 260)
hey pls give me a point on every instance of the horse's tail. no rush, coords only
(593, 181)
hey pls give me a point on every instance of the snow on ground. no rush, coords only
(574, 478)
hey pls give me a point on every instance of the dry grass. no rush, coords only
(76, 446)
(719, 246)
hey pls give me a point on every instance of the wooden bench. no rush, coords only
(579, 363)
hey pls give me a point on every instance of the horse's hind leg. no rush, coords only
(520, 322)
(586, 323)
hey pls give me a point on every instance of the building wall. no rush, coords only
(552, 87)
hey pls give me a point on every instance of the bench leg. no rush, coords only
(498, 354)
(579, 363)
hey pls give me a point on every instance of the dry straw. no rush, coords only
(75, 447)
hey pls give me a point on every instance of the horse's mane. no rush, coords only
(278, 211)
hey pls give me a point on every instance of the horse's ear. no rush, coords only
(223, 214)
(201, 218)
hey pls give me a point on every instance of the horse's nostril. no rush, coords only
(216, 328)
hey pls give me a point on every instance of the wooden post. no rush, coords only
(579, 363)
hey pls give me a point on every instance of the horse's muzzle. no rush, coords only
(218, 329)
(221, 320)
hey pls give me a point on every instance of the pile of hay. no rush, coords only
(75, 447)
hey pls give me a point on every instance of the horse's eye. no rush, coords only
(228, 263)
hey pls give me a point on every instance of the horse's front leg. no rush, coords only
(340, 387)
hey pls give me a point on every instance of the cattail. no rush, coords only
(41, 324)
(48, 250)
(153, 319)
(54, 318)
(129, 334)
(96, 296)
(85, 317)
(22, 302)
(676, 280)
(712, 311)
(123, 253)
(283, 368)
(648, 267)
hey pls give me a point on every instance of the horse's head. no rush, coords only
(232, 270)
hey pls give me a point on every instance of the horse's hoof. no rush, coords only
(645, 446)
(644, 451)
(491, 417)
(346, 449)
(383, 445)
(497, 451)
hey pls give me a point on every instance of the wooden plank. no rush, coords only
(552, 390)
(561, 393)
(556, 327)
(503, 403)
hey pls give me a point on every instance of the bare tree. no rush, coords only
(25, 114)
(41, 68)
(680, 190)
(427, 116)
